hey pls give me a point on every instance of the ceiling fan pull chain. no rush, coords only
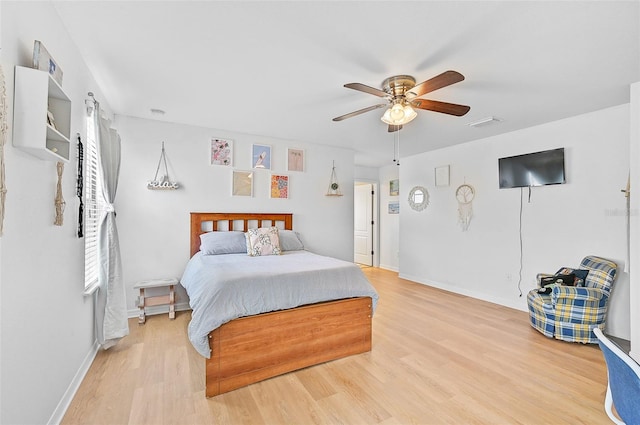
(396, 146)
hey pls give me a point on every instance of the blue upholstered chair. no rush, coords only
(623, 389)
(570, 313)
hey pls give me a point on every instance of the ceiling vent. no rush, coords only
(483, 122)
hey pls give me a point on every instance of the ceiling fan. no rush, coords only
(402, 93)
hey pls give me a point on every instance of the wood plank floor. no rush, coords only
(437, 358)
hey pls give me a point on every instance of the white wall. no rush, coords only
(366, 174)
(389, 223)
(154, 225)
(561, 224)
(47, 324)
(634, 220)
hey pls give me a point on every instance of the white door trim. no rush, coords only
(376, 219)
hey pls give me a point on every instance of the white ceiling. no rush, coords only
(277, 68)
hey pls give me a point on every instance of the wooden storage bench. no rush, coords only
(169, 298)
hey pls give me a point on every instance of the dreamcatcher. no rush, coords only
(465, 194)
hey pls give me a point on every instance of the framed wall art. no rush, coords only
(279, 186)
(242, 183)
(394, 187)
(442, 176)
(261, 157)
(221, 152)
(394, 207)
(295, 159)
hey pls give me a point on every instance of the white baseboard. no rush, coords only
(158, 309)
(63, 405)
(390, 268)
(520, 304)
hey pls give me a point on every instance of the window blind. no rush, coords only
(93, 203)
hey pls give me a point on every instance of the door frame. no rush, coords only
(375, 244)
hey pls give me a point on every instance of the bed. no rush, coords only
(309, 325)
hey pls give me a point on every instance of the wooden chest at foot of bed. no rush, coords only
(255, 348)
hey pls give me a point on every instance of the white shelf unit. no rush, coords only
(36, 92)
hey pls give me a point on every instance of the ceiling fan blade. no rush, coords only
(394, 128)
(444, 107)
(439, 81)
(360, 111)
(366, 89)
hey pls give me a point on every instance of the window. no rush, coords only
(93, 202)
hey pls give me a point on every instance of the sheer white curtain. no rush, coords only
(111, 304)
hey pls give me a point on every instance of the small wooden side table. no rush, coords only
(169, 298)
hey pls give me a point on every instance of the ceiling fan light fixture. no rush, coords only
(398, 114)
(403, 95)
(409, 113)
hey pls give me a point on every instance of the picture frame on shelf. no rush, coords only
(279, 187)
(295, 159)
(442, 176)
(261, 157)
(221, 152)
(43, 61)
(242, 183)
(51, 120)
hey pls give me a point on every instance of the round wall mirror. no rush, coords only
(418, 198)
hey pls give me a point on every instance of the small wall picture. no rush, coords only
(394, 187)
(261, 157)
(221, 152)
(394, 207)
(295, 159)
(442, 176)
(242, 184)
(279, 186)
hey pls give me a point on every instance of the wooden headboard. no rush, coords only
(200, 220)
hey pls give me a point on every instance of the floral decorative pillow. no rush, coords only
(263, 241)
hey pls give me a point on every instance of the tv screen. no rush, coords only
(532, 169)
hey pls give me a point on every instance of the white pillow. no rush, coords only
(290, 241)
(216, 243)
(263, 241)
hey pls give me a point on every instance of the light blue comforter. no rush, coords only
(224, 287)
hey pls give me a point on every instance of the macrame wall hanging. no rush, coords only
(59, 201)
(4, 127)
(164, 183)
(80, 188)
(334, 186)
(465, 194)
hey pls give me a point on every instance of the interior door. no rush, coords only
(363, 224)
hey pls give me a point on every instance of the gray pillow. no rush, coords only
(216, 243)
(290, 241)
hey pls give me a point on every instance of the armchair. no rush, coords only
(623, 388)
(570, 313)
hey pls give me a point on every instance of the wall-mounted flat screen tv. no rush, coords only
(532, 169)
